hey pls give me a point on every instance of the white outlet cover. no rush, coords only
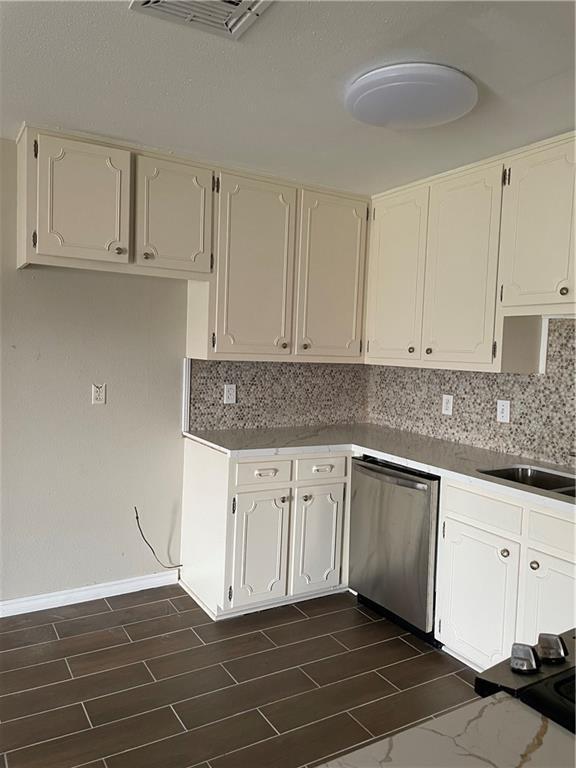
(503, 411)
(447, 402)
(229, 394)
(98, 394)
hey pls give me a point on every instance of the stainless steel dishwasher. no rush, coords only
(393, 519)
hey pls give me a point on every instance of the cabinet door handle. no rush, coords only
(323, 468)
(564, 291)
(119, 250)
(305, 346)
(428, 350)
(265, 472)
(411, 349)
(534, 564)
(148, 255)
(505, 552)
(283, 499)
(307, 497)
(284, 345)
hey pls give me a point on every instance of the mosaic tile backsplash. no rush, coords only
(542, 419)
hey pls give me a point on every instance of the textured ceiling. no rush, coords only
(273, 101)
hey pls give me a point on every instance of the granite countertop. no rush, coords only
(397, 445)
(498, 731)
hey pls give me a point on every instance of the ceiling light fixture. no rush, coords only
(412, 95)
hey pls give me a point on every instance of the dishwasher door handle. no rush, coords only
(391, 477)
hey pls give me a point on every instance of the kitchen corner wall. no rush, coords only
(543, 410)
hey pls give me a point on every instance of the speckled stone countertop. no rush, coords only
(499, 731)
(408, 448)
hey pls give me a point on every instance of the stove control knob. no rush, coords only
(551, 649)
(524, 659)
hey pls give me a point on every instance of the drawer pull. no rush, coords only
(283, 499)
(318, 468)
(307, 497)
(505, 552)
(265, 472)
(534, 564)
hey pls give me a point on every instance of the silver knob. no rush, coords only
(505, 552)
(428, 350)
(305, 346)
(306, 497)
(284, 345)
(410, 349)
(534, 564)
(148, 255)
(563, 291)
(283, 499)
(119, 250)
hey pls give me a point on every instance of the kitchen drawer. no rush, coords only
(552, 532)
(317, 469)
(259, 472)
(497, 513)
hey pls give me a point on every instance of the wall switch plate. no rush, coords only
(229, 393)
(98, 394)
(503, 411)
(447, 402)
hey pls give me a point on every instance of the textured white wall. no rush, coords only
(71, 472)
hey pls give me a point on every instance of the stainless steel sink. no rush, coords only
(567, 491)
(537, 478)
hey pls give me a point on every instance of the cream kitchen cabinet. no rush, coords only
(461, 267)
(537, 239)
(173, 215)
(83, 200)
(396, 276)
(255, 225)
(316, 538)
(330, 275)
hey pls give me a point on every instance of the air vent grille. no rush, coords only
(228, 18)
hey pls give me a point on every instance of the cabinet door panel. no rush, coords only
(461, 265)
(330, 275)
(255, 266)
(317, 538)
(83, 200)
(173, 215)
(260, 546)
(478, 593)
(548, 600)
(396, 276)
(537, 243)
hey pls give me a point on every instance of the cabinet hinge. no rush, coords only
(360, 346)
(368, 346)
(494, 349)
(215, 183)
(444, 529)
(230, 594)
(439, 625)
(367, 214)
(36, 149)
(211, 262)
(504, 173)
(373, 214)
(34, 238)
(502, 292)
(506, 176)
(234, 505)
(213, 341)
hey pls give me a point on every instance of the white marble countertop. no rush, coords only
(498, 732)
(410, 449)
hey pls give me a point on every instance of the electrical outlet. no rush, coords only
(98, 394)
(503, 411)
(229, 393)
(447, 401)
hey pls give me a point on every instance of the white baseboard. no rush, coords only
(82, 594)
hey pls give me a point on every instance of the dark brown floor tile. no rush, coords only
(273, 617)
(36, 728)
(421, 669)
(366, 659)
(131, 652)
(367, 634)
(60, 649)
(184, 603)
(321, 625)
(468, 675)
(32, 677)
(114, 618)
(207, 655)
(172, 623)
(72, 691)
(50, 615)
(23, 637)
(191, 747)
(329, 700)
(294, 749)
(370, 612)
(327, 604)
(418, 643)
(145, 596)
(155, 695)
(80, 748)
(250, 695)
(282, 658)
(405, 707)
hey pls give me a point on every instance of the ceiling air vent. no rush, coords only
(228, 18)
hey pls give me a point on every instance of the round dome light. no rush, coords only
(414, 95)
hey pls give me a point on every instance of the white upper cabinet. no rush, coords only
(537, 241)
(255, 224)
(173, 215)
(396, 276)
(83, 200)
(330, 275)
(461, 267)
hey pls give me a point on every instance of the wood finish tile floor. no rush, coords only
(147, 680)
